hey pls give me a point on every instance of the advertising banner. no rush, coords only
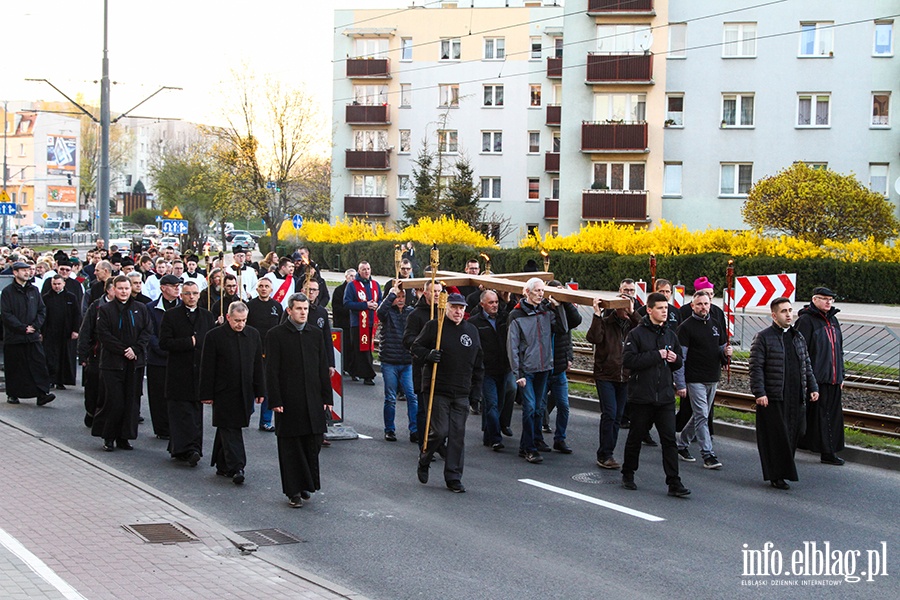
(61, 195)
(62, 152)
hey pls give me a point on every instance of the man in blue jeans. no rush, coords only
(490, 321)
(529, 346)
(396, 362)
(558, 383)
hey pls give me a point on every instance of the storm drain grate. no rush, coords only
(161, 533)
(598, 478)
(269, 537)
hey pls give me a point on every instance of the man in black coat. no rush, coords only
(264, 313)
(89, 355)
(340, 313)
(415, 322)
(396, 363)
(64, 269)
(123, 328)
(299, 390)
(157, 358)
(23, 314)
(498, 388)
(318, 316)
(231, 379)
(60, 332)
(558, 382)
(181, 335)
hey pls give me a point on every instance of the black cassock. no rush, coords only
(63, 319)
(298, 381)
(177, 331)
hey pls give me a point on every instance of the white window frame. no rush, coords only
(672, 115)
(554, 188)
(448, 141)
(558, 46)
(735, 182)
(673, 173)
(448, 95)
(494, 139)
(405, 142)
(405, 95)
(628, 107)
(534, 148)
(403, 190)
(677, 41)
(369, 140)
(369, 186)
(814, 98)
(406, 49)
(492, 89)
(494, 188)
(451, 48)
(739, 110)
(555, 141)
(884, 190)
(622, 38)
(370, 47)
(626, 174)
(822, 39)
(531, 89)
(883, 26)
(495, 48)
(528, 197)
(370, 95)
(882, 121)
(536, 43)
(735, 46)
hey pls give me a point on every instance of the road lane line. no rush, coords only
(616, 507)
(38, 566)
(365, 437)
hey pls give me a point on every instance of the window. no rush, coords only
(490, 188)
(737, 110)
(620, 107)
(448, 141)
(813, 165)
(450, 95)
(557, 94)
(403, 186)
(736, 179)
(675, 110)
(370, 95)
(370, 185)
(739, 40)
(494, 48)
(491, 142)
(618, 176)
(813, 110)
(672, 179)
(371, 47)
(21, 149)
(677, 40)
(405, 95)
(364, 139)
(450, 49)
(535, 91)
(493, 95)
(406, 47)
(534, 142)
(558, 47)
(554, 188)
(534, 188)
(881, 105)
(884, 38)
(817, 39)
(556, 139)
(878, 178)
(537, 51)
(404, 141)
(622, 39)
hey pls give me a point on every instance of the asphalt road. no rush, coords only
(562, 529)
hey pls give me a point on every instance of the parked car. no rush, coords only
(151, 231)
(211, 245)
(244, 240)
(229, 235)
(170, 241)
(122, 243)
(30, 230)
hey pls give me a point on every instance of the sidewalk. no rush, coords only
(61, 536)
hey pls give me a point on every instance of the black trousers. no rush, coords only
(116, 417)
(90, 377)
(360, 363)
(185, 428)
(228, 454)
(156, 398)
(448, 420)
(643, 416)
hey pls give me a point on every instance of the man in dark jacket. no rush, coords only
(157, 358)
(182, 333)
(781, 379)
(64, 270)
(558, 384)
(362, 297)
(458, 379)
(824, 419)
(499, 386)
(89, 354)
(415, 323)
(264, 313)
(341, 314)
(231, 379)
(652, 354)
(60, 332)
(318, 316)
(23, 314)
(396, 363)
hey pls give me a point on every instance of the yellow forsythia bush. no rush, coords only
(670, 240)
(445, 230)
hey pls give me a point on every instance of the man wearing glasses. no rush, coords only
(824, 419)
(406, 273)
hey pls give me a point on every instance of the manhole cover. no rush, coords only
(161, 533)
(596, 478)
(269, 537)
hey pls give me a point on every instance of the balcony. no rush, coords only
(554, 68)
(369, 160)
(602, 8)
(551, 209)
(368, 114)
(554, 114)
(369, 206)
(614, 137)
(619, 206)
(369, 68)
(551, 162)
(619, 68)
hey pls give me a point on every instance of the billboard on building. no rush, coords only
(61, 195)
(61, 154)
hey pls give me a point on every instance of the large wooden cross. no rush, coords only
(514, 282)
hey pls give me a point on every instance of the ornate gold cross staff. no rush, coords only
(546, 256)
(398, 256)
(487, 263)
(442, 307)
(435, 263)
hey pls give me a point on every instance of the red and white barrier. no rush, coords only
(337, 380)
(678, 295)
(758, 290)
(641, 292)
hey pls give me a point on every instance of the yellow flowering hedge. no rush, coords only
(672, 240)
(445, 230)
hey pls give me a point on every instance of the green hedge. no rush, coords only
(865, 282)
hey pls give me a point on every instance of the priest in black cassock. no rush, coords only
(299, 392)
(64, 269)
(181, 334)
(231, 379)
(60, 332)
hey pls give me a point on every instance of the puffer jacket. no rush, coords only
(563, 353)
(393, 323)
(767, 364)
(529, 342)
(651, 380)
(825, 343)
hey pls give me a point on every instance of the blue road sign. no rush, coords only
(7, 208)
(297, 220)
(174, 226)
(270, 185)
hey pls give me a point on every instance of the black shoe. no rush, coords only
(414, 437)
(474, 410)
(45, 399)
(832, 459)
(193, 458)
(506, 431)
(354, 378)
(60, 386)
(534, 458)
(238, 477)
(625, 424)
(124, 445)
(368, 381)
(267, 427)
(222, 473)
(304, 494)
(628, 483)
(12, 400)
(456, 487)
(109, 445)
(401, 397)
(422, 471)
(679, 491)
(781, 484)
(295, 501)
(497, 447)
(521, 453)
(162, 437)
(649, 441)
(546, 429)
(541, 446)
(88, 420)
(390, 436)
(326, 443)
(140, 419)
(562, 446)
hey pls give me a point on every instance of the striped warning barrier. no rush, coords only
(337, 380)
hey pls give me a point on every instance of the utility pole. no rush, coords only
(5, 127)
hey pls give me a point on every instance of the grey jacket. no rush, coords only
(529, 341)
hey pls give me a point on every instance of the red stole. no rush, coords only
(283, 290)
(368, 319)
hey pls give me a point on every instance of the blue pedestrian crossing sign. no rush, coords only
(174, 226)
(297, 220)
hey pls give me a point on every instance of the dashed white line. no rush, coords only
(610, 505)
(38, 566)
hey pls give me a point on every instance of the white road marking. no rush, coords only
(38, 566)
(365, 437)
(592, 500)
